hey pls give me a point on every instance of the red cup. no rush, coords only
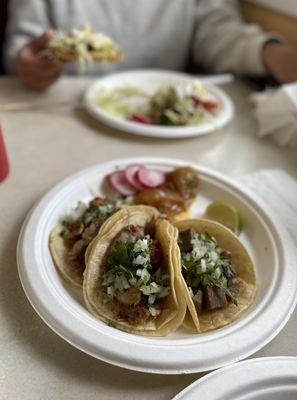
(4, 165)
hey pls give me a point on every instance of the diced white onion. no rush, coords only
(151, 299)
(217, 272)
(203, 265)
(110, 291)
(153, 311)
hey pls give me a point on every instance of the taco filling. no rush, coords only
(70, 239)
(218, 274)
(208, 271)
(175, 196)
(132, 280)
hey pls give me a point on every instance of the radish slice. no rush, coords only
(119, 182)
(131, 175)
(143, 119)
(150, 178)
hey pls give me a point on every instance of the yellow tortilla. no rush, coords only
(59, 251)
(174, 309)
(69, 56)
(209, 320)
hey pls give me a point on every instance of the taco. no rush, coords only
(84, 45)
(218, 274)
(69, 240)
(129, 281)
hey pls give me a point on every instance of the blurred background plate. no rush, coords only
(151, 80)
(61, 306)
(267, 378)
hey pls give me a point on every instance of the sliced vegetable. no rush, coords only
(210, 105)
(226, 214)
(131, 175)
(143, 119)
(119, 182)
(151, 178)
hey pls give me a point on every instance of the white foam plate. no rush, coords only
(267, 378)
(61, 306)
(150, 81)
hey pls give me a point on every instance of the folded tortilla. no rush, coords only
(64, 55)
(60, 253)
(213, 319)
(173, 309)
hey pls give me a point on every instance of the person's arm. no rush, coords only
(223, 42)
(26, 37)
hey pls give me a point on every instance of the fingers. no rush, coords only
(35, 72)
(42, 41)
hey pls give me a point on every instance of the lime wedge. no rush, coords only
(226, 214)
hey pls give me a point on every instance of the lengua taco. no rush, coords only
(129, 280)
(69, 240)
(219, 279)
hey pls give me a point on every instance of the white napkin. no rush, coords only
(279, 191)
(276, 113)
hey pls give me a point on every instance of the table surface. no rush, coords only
(44, 147)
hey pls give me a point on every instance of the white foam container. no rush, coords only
(61, 306)
(267, 378)
(149, 81)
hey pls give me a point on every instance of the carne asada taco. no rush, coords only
(70, 239)
(219, 275)
(129, 280)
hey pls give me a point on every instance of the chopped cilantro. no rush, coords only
(204, 265)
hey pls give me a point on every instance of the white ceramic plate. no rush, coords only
(149, 81)
(267, 378)
(62, 307)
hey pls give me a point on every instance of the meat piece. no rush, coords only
(90, 232)
(165, 200)
(150, 228)
(185, 181)
(229, 271)
(155, 252)
(129, 234)
(224, 252)
(129, 297)
(234, 286)
(134, 315)
(213, 298)
(97, 201)
(184, 240)
(75, 230)
(198, 301)
(76, 256)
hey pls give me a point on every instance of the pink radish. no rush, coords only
(131, 175)
(143, 119)
(150, 178)
(119, 182)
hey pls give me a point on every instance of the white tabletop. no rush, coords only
(45, 146)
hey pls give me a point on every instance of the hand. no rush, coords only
(281, 61)
(35, 72)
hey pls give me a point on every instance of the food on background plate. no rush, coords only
(175, 104)
(83, 45)
(219, 275)
(130, 280)
(70, 239)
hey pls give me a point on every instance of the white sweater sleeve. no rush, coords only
(223, 42)
(27, 20)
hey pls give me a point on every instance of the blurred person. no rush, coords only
(151, 34)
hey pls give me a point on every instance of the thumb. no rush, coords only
(42, 41)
